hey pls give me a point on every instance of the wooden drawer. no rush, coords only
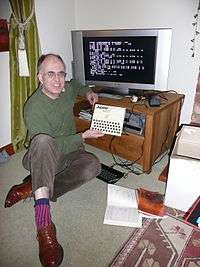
(128, 146)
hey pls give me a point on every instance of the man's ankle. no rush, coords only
(42, 213)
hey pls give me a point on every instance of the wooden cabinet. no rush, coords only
(160, 128)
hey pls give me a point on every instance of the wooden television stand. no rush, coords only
(161, 125)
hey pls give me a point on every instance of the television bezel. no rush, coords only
(163, 49)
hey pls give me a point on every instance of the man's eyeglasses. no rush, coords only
(53, 75)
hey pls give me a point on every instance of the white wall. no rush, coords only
(55, 21)
(57, 18)
(175, 14)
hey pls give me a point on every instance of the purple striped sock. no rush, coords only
(42, 213)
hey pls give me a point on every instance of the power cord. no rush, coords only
(128, 165)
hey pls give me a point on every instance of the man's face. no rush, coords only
(52, 76)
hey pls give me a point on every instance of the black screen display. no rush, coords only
(128, 59)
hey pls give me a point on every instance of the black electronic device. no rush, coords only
(137, 92)
(143, 92)
(134, 122)
(109, 175)
(154, 101)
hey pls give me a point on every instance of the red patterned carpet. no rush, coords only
(166, 242)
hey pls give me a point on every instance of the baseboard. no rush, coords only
(8, 148)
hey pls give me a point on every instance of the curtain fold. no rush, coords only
(22, 87)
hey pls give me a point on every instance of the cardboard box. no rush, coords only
(188, 142)
(183, 184)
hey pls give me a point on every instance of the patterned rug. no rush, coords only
(166, 242)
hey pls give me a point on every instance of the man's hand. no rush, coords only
(92, 97)
(92, 134)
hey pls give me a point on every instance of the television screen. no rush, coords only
(122, 60)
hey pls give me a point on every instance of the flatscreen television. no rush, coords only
(121, 61)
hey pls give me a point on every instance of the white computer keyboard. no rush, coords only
(108, 119)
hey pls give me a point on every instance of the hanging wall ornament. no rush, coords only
(196, 26)
(22, 55)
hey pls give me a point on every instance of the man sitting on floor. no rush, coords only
(56, 157)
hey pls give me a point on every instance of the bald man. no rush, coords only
(56, 157)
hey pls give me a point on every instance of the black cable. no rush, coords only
(125, 164)
(129, 165)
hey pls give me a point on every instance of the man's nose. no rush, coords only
(57, 77)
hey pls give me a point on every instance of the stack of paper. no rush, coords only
(86, 114)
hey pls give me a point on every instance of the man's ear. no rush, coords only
(40, 78)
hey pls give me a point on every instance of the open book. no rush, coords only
(122, 207)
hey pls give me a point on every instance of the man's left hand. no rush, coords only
(92, 97)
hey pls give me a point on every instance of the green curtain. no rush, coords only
(22, 87)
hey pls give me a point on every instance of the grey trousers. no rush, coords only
(59, 172)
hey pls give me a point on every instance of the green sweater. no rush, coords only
(55, 116)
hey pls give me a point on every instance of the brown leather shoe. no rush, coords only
(19, 192)
(50, 251)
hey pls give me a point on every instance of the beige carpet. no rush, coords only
(78, 216)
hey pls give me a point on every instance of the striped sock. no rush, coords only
(42, 213)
